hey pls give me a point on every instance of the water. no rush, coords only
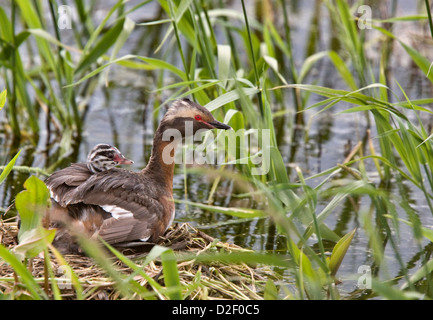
(122, 114)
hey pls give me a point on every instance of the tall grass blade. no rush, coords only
(339, 252)
(9, 167)
(102, 46)
(26, 277)
(171, 275)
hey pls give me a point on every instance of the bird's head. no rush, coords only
(184, 112)
(104, 157)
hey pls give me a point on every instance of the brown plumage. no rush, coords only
(121, 205)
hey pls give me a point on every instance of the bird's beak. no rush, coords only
(126, 161)
(219, 125)
(122, 160)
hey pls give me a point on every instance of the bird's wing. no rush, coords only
(63, 182)
(135, 211)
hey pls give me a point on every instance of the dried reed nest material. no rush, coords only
(217, 280)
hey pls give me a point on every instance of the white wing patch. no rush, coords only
(117, 212)
(53, 195)
(171, 219)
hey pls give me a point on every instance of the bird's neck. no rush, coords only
(161, 163)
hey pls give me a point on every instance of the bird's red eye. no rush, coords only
(197, 117)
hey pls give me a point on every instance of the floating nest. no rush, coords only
(218, 280)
